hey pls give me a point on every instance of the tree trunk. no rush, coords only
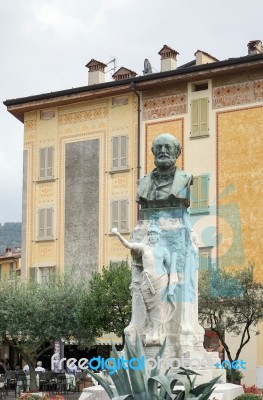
(33, 379)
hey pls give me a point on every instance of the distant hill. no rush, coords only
(10, 235)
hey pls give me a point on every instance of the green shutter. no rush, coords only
(203, 105)
(204, 260)
(195, 117)
(194, 195)
(199, 117)
(200, 194)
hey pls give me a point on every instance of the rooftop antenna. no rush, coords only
(114, 67)
(147, 67)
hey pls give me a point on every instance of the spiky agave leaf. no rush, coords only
(155, 371)
(204, 388)
(125, 397)
(103, 383)
(163, 380)
(137, 380)
(120, 377)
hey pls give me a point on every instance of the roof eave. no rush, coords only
(18, 107)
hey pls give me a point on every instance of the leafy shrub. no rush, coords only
(248, 396)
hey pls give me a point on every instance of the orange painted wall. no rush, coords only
(240, 187)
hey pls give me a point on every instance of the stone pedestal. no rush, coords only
(94, 393)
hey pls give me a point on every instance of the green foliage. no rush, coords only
(140, 385)
(249, 396)
(10, 235)
(33, 316)
(107, 305)
(236, 374)
(232, 302)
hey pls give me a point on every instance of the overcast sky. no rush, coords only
(45, 45)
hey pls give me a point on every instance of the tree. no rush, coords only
(107, 306)
(33, 316)
(231, 302)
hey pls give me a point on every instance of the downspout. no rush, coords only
(132, 85)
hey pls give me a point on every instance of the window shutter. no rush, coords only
(203, 203)
(115, 152)
(123, 151)
(200, 194)
(123, 215)
(49, 222)
(49, 162)
(195, 117)
(194, 195)
(204, 260)
(114, 214)
(32, 274)
(42, 163)
(203, 116)
(41, 223)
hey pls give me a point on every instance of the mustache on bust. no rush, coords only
(164, 162)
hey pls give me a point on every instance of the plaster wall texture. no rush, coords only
(82, 206)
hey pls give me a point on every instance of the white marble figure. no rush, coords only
(155, 286)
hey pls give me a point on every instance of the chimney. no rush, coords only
(123, 73)
(96, 72)
(201, 57)
(255, 47)
(168, 58)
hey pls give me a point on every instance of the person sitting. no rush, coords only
(39, 367)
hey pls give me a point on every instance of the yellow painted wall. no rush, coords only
(99, 119)
(5, 266)
(240, 177)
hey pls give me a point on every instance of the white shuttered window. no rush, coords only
(45, 227)
(119, 210)
(119, 152)
(199, 117)
(46, 161)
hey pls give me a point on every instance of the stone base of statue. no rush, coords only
(166, 308)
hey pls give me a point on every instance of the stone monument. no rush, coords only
(164, 253)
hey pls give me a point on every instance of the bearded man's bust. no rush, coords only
(166, 185)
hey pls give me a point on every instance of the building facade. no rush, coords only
(85, 148)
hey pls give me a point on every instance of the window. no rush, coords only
(46, 159)
(11, 269)
(199, 195)
(45, 228)
(119, 152)
(119, 215)
(200, 86)
(199, 117)
(205, 258)
(44, 274)
(41, 274)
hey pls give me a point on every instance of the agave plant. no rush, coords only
(143, 385)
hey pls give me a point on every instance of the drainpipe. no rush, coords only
(132, 85)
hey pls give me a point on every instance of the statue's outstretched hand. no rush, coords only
(114, 231)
